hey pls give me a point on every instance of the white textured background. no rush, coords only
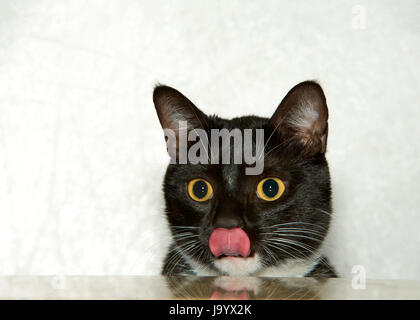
(81, 150)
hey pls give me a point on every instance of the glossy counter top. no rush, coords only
(157, 287)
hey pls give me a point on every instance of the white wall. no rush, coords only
(81, 150)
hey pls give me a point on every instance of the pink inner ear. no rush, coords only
(234, 242)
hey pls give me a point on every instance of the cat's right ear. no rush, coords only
(177, 116)
(301, 119)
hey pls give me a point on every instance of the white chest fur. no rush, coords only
(253, 267)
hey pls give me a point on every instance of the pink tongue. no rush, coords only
(234, 242)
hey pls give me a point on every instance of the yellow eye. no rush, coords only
(200, 190)
(270, 189)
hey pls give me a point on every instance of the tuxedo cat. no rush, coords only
(225, 222)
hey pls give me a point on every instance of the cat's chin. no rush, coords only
(238, 266)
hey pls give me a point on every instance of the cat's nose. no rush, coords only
(228, 215)
(228, 221)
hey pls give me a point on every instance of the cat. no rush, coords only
(225, 222)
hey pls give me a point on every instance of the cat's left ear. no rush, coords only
(301, 119)
(172, 107)
(178, 116)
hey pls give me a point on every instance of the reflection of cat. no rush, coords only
(225, 222)
(243, 288)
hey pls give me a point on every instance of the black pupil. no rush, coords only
(270, 188)
(200, 189)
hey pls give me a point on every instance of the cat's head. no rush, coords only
(236, 223)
